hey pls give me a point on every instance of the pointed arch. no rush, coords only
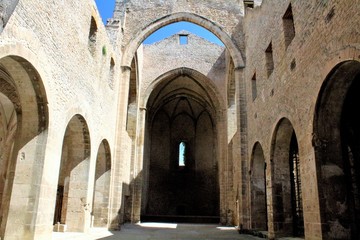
(192, 102)
(336, 142)
(101, 195)
(214, 97)
(72, 202)
(258, 189)
(287, 210)
(177, 17)
(23, 102)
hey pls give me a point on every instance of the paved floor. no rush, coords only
(159, 231)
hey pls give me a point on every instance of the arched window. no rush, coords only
(182, 154)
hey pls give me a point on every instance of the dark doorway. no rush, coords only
(287, 197)
(337, 148)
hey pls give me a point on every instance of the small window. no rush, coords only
(254, 88)
(249, 3)
(183, 39)
(111, 73)
(289, 27)
(92, 35)
(182, 154)
(269, 60)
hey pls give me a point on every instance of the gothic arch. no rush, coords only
(102, 185)
(177, 17)
(23, 104)
(215, 98)
(72, 204)
(258, 189)
(336, 144)
(287, 211)
(186, 104)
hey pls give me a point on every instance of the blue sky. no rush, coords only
(106, 8)
(173, 28)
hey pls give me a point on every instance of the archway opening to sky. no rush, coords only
(106, 9)
(177, 27)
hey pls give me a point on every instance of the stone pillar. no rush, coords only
(78, 206)
(22, 211)
(101, 194)
(48, 188)
(116, 210)
(243, 162)
(138, 171)
(270, 199)
(223, 165)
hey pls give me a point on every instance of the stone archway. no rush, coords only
(287, 210)
(337, 143)
(132, 47)
(180, 112)
(258, 189)
(143, 29)
(101, 196)
(71, 202)
(23, 123)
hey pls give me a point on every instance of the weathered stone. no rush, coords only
(91, 119)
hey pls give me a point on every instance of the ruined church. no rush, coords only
(261, 132)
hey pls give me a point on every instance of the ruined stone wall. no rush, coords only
(223, 19)
(224, 13)
(198, 54)
(326, 33)
(77, 80)
(66, 43)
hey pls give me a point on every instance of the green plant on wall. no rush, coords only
(104, 50)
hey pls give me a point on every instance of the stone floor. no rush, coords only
(159, 231)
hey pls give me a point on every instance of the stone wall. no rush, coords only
(198, 54)
(76, 80)
(68, 81)
(325, 35)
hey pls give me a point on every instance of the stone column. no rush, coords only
(223, 165)
(243, 162)
(116, 210)
(22, 211)
(138, 171)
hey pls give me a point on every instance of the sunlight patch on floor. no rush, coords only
(158, 225)
(226, 228)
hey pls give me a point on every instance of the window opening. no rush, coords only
(289, 27)
(111, 73)
(92, 35)
(249, 3)
(269, 60)
(182, 154)
(253, 85)
(183, 39)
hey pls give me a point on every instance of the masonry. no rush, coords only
(92, 121)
